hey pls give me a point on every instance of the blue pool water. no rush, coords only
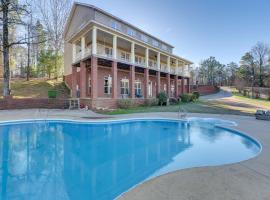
(63, 160)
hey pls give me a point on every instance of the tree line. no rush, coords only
(32, 38)
(252, 70)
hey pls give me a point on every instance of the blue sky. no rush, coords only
(198, 29)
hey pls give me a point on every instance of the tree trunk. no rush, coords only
(6, 89)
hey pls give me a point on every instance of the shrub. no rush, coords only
(173, 101)
(125, 103)
(151, 102)
(162, 98)
(185, 97)
(196, 94)
(52, 94)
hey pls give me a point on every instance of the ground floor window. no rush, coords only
(124, 87)
(150, 89)
(89, 85)
(107, 84)
(172, 89)
(165, 87)
(138, 89)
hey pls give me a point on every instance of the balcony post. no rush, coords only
(176, 86)
(114, 80)
(188, 85)
(146, 57)
(94, 40)
(74, 81)
(114, 50)
(146, 81)
(132, 52)
(73, 52)
(168, 85)
(169, 64)
(83, 73)
(177, 67)
(94, 80)
(132, 80)
(158, 82)
(158, 60)
(83, 46)
(182, 85)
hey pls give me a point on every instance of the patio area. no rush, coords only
(244, 180)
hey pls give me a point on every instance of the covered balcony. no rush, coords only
(107, 45)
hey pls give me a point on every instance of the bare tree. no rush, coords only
(12, 15)
(54, 14)
(261, 53)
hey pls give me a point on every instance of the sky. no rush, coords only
(198, 29)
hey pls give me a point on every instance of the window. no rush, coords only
(125, 56)
(124, 86)
(138, 88)
(165, 87)
(155, 43)
(144, 38)
(131, 32)
(108, 51)
(115, 25)
(172, 89)
(150, 89)
(107, 84)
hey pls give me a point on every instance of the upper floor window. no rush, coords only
(115, 25)
(155, 43)
(144, 38)
(131, 32)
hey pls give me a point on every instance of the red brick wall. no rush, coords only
(105, 103)
(33, 103)
(204, 89)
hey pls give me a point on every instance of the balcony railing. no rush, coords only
(78, 56)
(152, 64)
(104, 51)
(163, 68)
(88, 50)
(123, 55)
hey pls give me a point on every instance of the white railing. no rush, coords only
(104, 51)
(172, 70)
(152, 64)
(88, 51)
(123, 55)
(139, 60)
(163, 68)
(78, 56)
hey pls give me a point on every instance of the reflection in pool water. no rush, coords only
(62, 160)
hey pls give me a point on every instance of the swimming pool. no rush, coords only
(68, 160)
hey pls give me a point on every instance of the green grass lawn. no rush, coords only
(212, 107)
(36, 88)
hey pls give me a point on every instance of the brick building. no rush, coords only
(107, 59)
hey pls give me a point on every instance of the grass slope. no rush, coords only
(36, 88)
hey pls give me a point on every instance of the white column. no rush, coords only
(73, 52)
(94, 40)
(83, 46)
(169, 63)
(133, 52)
(158, 60)
(114, 47)
(146, 57)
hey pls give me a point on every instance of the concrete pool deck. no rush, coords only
(247, 180)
